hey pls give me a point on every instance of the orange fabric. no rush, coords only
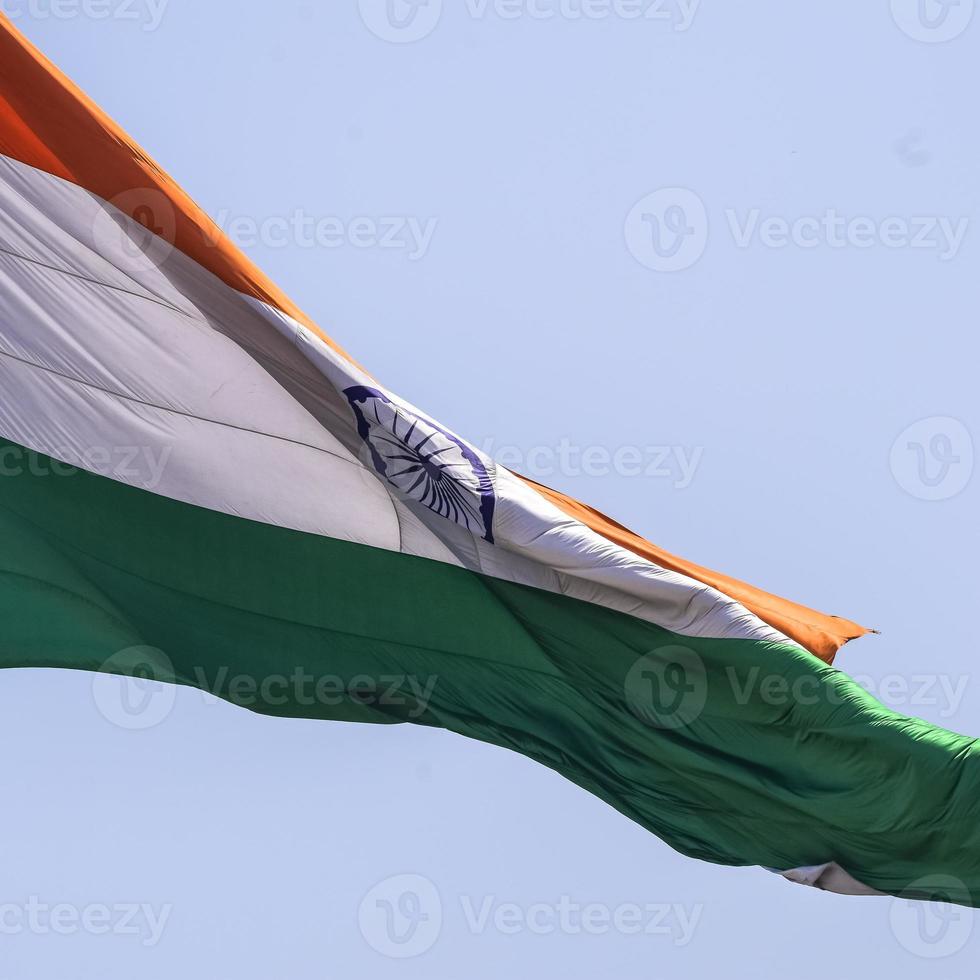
(819, 633)
(16, 136)
(47, 122)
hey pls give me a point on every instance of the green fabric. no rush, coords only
(697, 740)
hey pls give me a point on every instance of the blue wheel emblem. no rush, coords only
(423, 462)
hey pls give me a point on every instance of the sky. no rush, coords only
(709, 267)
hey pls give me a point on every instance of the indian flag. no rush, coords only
(197, 484)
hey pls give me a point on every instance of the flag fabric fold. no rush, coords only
(196, 481)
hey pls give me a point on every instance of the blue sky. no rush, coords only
(710, 268)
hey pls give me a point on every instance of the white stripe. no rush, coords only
(106, 347)
(532, 537)
(829, 878)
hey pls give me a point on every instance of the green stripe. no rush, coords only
(771, 758)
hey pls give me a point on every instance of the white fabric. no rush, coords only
(106, 348)
(829, 878)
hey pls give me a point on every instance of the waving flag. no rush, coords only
(197, 482)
